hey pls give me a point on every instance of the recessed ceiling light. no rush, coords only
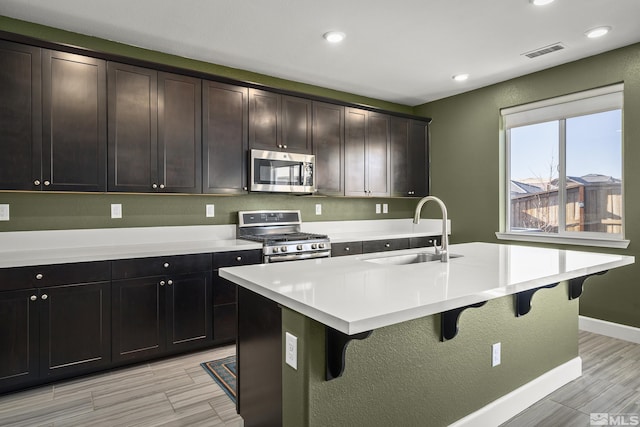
(334, 36)
(594, 33)
(460, 77)
(540, 2)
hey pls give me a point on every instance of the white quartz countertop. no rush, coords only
(353, 295)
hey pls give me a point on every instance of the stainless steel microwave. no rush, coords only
(278, 172)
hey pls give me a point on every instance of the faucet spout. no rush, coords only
(444, 246)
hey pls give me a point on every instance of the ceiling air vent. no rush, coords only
(544, 50)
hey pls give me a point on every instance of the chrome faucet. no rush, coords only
(443, 251)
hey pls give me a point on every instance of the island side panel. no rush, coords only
(404, 375)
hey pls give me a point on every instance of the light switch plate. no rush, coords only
(495, 354)
(291, 350)
(385, 208)
(211, 211)
(318, 209)
(378, 208)
(116, 210)
(4, 212)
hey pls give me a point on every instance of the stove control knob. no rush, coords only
(299, 247)
(314, 246)
(275, 250)
(283, 249)
(321, 245)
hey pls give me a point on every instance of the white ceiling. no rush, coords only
(403, 51)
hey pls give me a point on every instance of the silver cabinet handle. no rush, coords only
(44, 296)
(239, 258)
(161, 185)
(166, 265)
(154, 185)
(36, 182)
(169, 282)
(39, 276)
(47, 183)
(162, 283)
(33, 298)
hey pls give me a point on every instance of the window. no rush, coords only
(564, 170)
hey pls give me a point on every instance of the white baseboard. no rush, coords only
(610, 329)
(510, 405)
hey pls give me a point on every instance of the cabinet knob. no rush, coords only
(161, 186)
(154, 186)
(33, 298)
(239, 258)
(46, 183)
(284, 146)
(279, 145)
(36, 182)
(169, 282)
(387, 245)
(44, 296)
(244, 188)
(165, 265)
(161, 282)
(347, 249)
(39, 276)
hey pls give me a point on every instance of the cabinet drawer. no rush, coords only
(51, 275)
(346, 248)
(160, 266)
(385, 245)
(424, 241)
(234, 258)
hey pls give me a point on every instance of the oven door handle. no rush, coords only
(295, 257)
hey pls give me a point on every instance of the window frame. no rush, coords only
(559, 109)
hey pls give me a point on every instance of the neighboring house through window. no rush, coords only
(564, 166)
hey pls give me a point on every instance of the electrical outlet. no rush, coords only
(378, 209)
(116, 210)
(211, 211)
(495, 354)
(318, 209)
(291, 351)
(385, 208)
(4, 212)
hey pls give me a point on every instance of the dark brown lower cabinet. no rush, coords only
(53, 332)
(156, 315)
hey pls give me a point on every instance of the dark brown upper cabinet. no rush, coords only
(154, 131)
(224, 138)
(367, 153)
(20, 116)
(279, 122)
(328, 147)
(53, 113)
(409, 157)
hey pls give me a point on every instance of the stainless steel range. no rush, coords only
(279, 232)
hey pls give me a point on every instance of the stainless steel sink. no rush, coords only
(409, 259)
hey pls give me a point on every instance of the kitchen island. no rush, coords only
(383, 341)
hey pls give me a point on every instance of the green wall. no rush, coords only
(465, 163)
(402, 375)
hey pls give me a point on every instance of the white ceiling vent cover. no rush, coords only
(544, 50)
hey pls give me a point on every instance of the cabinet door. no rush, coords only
(225, 138)
(132, 128)
(328, 147)
(296, 125)
(137, 318)
(20, 117)
(354, 152)
(419, 158)
(74, 100)
(189, 311)
(400, 158)
(264, 116)
(377, 154)
(18, 337)
(179, 133)
(75, 328)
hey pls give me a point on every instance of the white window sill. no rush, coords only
(563, 240)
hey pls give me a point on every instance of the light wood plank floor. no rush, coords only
(178, 392)
(171, 392)
(610, 383)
